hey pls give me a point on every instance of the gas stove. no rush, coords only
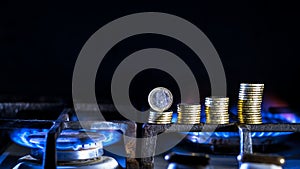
(48, 135)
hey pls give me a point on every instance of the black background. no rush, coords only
(40, 41)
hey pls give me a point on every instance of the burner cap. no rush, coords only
(188, 158)
(261, 158)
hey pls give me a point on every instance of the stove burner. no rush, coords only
(70, 140)
(71, 145)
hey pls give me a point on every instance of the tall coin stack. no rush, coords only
(188, 113)
(249, 104)
(160, 117)
(216, 110)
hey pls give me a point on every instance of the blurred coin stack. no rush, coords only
(160, 117)
(188, 113)
(216, 110)
(249, 104)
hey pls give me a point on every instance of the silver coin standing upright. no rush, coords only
(160, 99)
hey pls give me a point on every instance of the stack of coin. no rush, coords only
(160, 117)
(216, 110)
(188, 113)
(160, 99)
(249, 104)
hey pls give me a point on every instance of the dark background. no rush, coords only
(40, 41)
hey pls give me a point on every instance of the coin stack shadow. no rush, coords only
(160, 117)
(216, 110)
(249, 103)
(188, 113)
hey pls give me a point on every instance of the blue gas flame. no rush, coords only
(112, 137)
(22, 137)
(267, 117)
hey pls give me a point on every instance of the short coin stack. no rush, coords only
(160, 117)
(249, 104)
(216, 110)
(160, 99)
(188, 113)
